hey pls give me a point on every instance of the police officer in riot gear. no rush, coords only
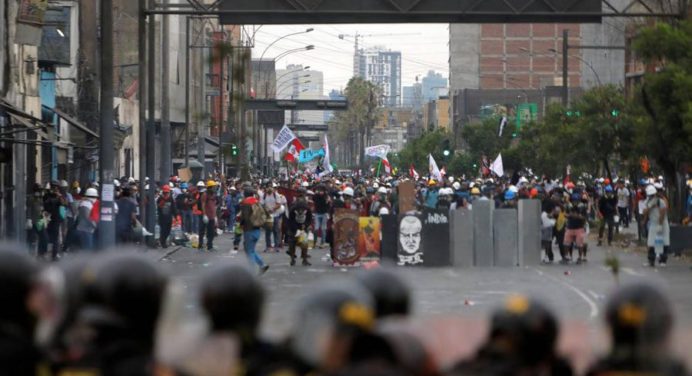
(18, 355)
(640, 319)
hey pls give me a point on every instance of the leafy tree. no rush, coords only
(351, 129)
(416, 151)
(666, 96)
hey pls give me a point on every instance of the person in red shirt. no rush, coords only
(209, 203)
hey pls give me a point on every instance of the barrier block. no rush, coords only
(529, 232)
(505, 227)
(461, 238)
(483, 248)
(435, 238)
(390, 234)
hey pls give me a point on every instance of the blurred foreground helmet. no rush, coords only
(526, 327)
(390, 292)
(232, 297)
(334, 311)
(639, 314)
(17, 273)
(128, 286)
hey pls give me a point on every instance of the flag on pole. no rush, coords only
(503, 123)
(497, 167)
(433, 169)
(326, 164)
(293, 153)
(412, 172)
(283, 139)
(379, 151)
(387, 166)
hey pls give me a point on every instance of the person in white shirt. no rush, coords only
(272, 203)
(547, 225)
(624, 198)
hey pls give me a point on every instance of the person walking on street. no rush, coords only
(624, 197)
(166, 211)
(209, 203)
(658, 240)
(607, 207)
(86, 226)
(272, 204)
(252, 218)
(299, 221)
(55, 204)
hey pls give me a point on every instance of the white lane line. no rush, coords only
(593, 294)
(633, 272)
(592, 305)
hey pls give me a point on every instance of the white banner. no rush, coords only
(433, 170)
(379, 151)
(283, 139)
(497, 167)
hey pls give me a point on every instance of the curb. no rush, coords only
(172, 251)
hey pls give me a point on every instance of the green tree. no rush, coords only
(416, 151)
(351, 129)
(666, 95)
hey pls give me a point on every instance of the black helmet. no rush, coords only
(390, 292)
(343, 309)
(639, 314)
(17, 277)
(527, 327)
(232, 296)
(128, 286)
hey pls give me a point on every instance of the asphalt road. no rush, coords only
(577, 293)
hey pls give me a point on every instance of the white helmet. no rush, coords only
(92, 192)
(116, 183)
(382, 190)
(383, 211)
(348, 191)
(451, 179)
(375, 185)
(63, 184)
(523, 180)
(513, 189)
(650, 190)
(456, 185)
(304, 184)
(201, 184)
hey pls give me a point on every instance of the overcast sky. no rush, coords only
(423, 47)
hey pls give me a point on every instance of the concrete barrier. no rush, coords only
(506, 247)
(483, 248)
(390, 230)
(529, 234)
(461, 238)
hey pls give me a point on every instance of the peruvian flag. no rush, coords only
(412, 172)
(294, 150)
(387, 166)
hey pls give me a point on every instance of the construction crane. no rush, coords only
(357, 38)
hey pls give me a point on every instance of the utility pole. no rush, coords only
(106, 149)
(166, 158)
(187, 91)
(202, 118)
(88, 90)
(565, 70)
(150, 222)
(142, 93)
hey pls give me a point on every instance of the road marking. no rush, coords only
(633, 272)
(592, 305)
(593, 294)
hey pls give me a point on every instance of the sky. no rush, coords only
(423, 47)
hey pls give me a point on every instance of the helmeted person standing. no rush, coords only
(640, 320)
(197, 214)
(252, 218)
(273, 205)
(299, 222)
(165, 205)
(658, 240)
(86, 226)
(209, 203)
(607, 207)
(183, 203)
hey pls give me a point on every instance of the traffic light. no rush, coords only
(514, 134)
(615, 112)
(446, 148)
(446, 153)
(234, 150)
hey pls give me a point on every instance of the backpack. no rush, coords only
(258, 216)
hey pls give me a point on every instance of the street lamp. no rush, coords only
(278, 94)
(291, 82)
(281, 38)
(598, 79)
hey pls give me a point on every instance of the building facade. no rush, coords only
(434, 85)
(383, 68)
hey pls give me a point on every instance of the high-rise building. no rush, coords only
(434, 86)
(383, 68)
(413, 96)
(296, 82)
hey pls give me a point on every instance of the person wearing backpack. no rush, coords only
(252, 218)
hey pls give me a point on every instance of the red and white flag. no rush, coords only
(294, 149)
(387, 166)
(413, 173)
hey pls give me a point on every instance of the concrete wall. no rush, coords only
(463, 56)
(608, 65)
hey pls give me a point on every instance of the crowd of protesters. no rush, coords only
(296, 212)
(119, 314)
